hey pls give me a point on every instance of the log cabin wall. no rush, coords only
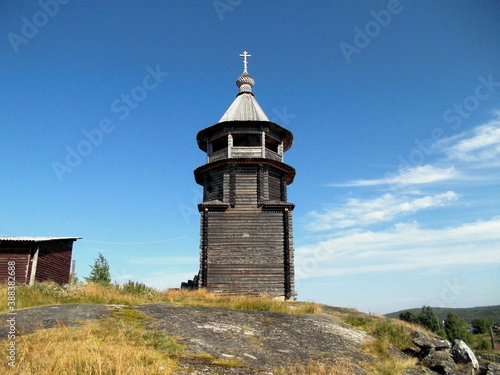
(48, 257)
(54, 262)
(20, 255)
(246, 252)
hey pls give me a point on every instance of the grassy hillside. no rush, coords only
(123, 342)
(136, 294)
(469, 314)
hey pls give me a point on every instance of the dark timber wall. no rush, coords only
(246, 228)
(52, 264)
(245, 252)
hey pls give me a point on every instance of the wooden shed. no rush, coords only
(36, 259)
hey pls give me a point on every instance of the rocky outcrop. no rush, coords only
(258, 341)
(439, 356)
(426, 342)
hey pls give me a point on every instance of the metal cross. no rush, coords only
(245, 54)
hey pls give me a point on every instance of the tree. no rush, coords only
(482, 325)
(428, 319)
(457, 328)
(409, 316)
(100, 271)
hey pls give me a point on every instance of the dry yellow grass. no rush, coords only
(341, 366)
(54, 294)
(385, 361)
(201, 297)
(107, 347)
(386, 332)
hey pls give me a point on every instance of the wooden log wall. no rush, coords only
(54, 261)
(246, 186)
(250, 184)
(245, 252)
(18, 254)
(275, 180)
(214, 186)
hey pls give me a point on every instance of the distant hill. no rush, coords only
(469, 314)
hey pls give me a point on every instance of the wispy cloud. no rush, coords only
(481, 144)
(366, 235)
(401, 247)
(362, 212)
(418, 175)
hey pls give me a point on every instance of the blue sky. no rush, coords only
(394, 106)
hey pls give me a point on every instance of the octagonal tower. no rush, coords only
(246, 242)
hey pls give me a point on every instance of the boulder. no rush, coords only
(461, 353)
(439, 361)
(426, 342)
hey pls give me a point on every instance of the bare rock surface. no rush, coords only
(222, 341)
(258, 340)
(29, 320)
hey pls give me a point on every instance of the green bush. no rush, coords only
(482, 325)
(483, 344)
(135, 287)
(393, 333)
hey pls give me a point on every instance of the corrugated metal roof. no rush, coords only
(36, 239)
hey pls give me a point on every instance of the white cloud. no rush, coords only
(418, 175)
(468, 164)
(482, 144)
(362, 212)
(400, 248)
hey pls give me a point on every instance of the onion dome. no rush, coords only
(245, 82)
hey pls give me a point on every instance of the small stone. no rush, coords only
(249, 356)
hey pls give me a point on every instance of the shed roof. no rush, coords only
(36, 239)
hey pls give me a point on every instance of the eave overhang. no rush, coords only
(200, 171)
